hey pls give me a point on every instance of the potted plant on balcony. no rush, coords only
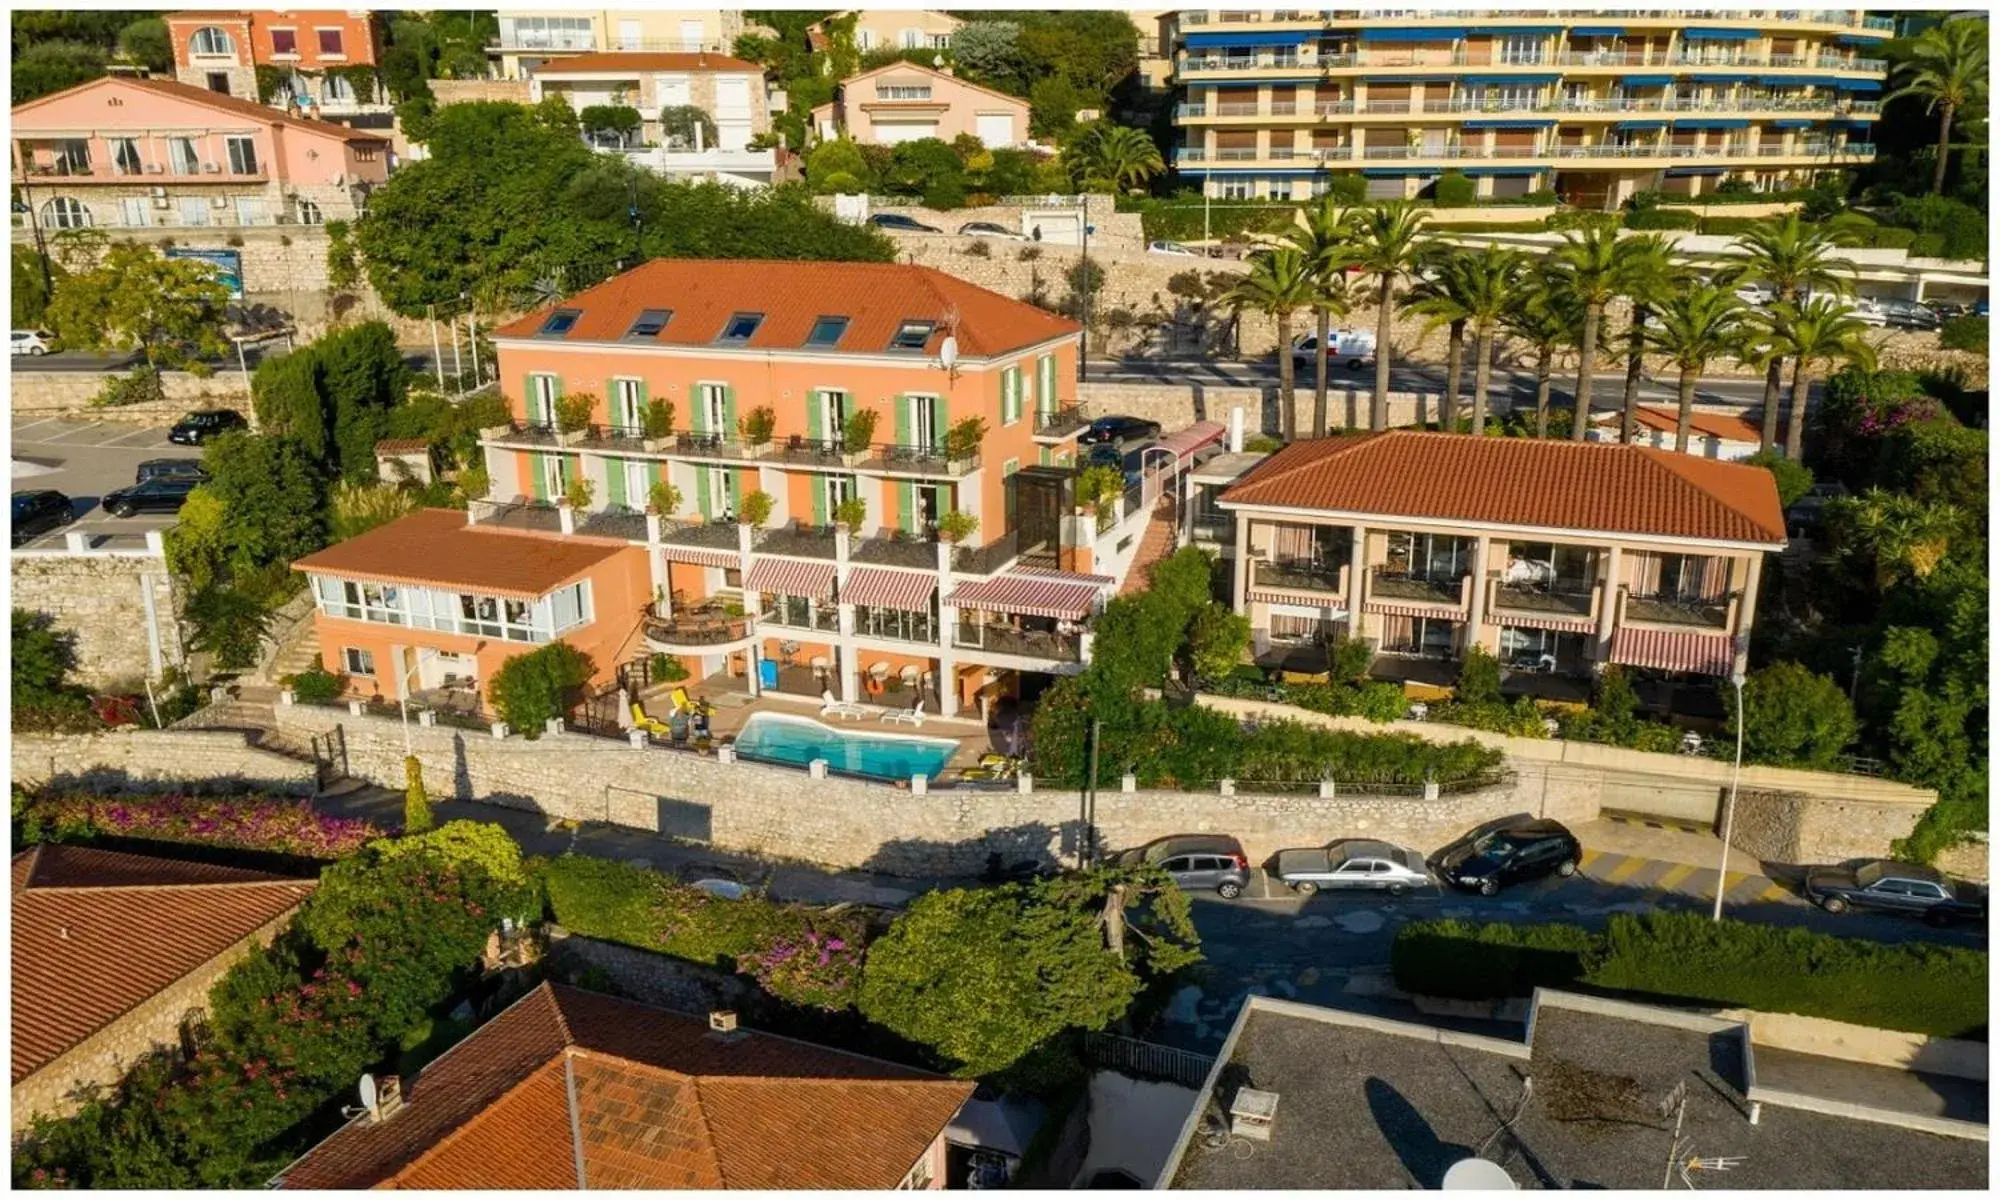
(656, 425)
(578, 494)
(754, 509)
(573, 418)
(1099, 489)
(663, 499)
(963, 439)
(857, 433)
(757, 426)
(956, 526)
(851, 512)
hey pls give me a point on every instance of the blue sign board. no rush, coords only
(227, 264)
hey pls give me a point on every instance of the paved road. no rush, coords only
(84, 460)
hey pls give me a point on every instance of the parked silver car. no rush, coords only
(1199, 862)
(1353, 863)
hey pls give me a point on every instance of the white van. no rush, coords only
(1354, 347)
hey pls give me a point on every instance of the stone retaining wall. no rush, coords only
(658, 979)
(100, 599)
(39, 395)
(148, 760)
(760, 809)
(1177, 405)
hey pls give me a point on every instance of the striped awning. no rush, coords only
(1189, 440)
(1065, 576)
(1542, 621)
(728, 560)
(1332, 604)
(790, 577)
(1673, 650)
(879, 587)
(1450, 612)
(1028, 596)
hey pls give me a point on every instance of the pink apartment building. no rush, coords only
(903, 102)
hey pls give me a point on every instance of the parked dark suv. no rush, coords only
(1891, 887)
(1199, 862)
(199, 427)
(152, 496)
(37, 512)
(1117, 431)
(1504, 852)
(170, 468)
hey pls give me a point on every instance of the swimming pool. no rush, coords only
(780, 737)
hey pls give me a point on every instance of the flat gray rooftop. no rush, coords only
(1363, 1108)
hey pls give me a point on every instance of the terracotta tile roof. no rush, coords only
(401, 445)
(900, 65)
(641, 60)
(1517, 481)
(659, 1102)
(99, 932)
(875, 297)
(1729, 427)
(434, 547)
(216, 100)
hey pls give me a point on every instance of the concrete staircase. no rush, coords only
(299, 653)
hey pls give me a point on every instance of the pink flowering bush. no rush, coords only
(817, 966)
(244, 822)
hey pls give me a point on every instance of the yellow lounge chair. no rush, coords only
(641, 721)
(682, 703)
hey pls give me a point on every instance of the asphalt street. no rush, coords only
(84, 460)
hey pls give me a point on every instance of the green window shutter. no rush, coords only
(1048, 371)
(701, 492)
(538, 471)
(655, 472)
(819, 500)
(728, 413)
(528, 400)
(614, 481)
(698, 403)
(902, 420)
(1043, 456)
(732, 489)
(906, 499)
(815, 415)
(940, 421)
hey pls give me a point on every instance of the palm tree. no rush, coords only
(1279, 283)
(1947, 70)
(1695, 325)
(1906, 536)
(1548, 318)
(1440, 294)
(1493, 289)
(1650, 277)
(1818, 331)
(1117, 156)
(1590, 266)
(1791, 258)
(1322, 241)
(1385, 244)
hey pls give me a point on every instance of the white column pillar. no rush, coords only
(1614, 568)
(1475, 610)
(1242, 554)
(947, 627)
(1357, 588)
(1746, 610)
(849, 665)
(656, 565)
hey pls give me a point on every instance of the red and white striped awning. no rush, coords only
(1185, 442)
(1039, 595)
(1555, 624)
(790, 577)
(1449, 612)
(879, 587)
(728, 560)
(1066, 576)
(1673, 650)
(1322, 600)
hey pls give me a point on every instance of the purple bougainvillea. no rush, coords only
(244, 822)
(816, 967)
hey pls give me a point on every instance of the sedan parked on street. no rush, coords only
(170, 468)
(1353, 863)
(991, 229)
(198, 427)
(1174, 249)
(901, 223)
(1908, 314)
(1118, 430)
(1908, 889)
(38, 512)
(152, 496)
(1506, 852)
(1199, 862)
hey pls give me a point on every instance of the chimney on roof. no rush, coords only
(722, 1020)
(380, 1098)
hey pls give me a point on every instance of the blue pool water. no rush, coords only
(777, 737)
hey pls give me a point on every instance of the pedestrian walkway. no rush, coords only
(1157, 544)
(1618, 876)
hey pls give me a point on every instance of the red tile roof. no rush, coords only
(640, 60)
(221, 103)
(99, 932)
(1524, 482)
(875, 297)
(900, 65)
(568, 1081)
(1729, 427)
(434, 547)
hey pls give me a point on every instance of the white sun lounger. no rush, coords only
(913, 715)
(830, 707)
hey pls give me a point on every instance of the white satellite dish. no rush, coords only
(368, 1096)
(1477, 1175)
(948, 352)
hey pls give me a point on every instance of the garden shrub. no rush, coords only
(140, 385)
(1478, 677)
(1964, 333)
(1663, 218)
(268, 823)
(1467, 961)
(315, 685)
(1729, 226)
(1792, 717)
(530, 689)
(1348, 189)
(1455, 190)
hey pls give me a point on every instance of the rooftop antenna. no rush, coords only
(369, 1099)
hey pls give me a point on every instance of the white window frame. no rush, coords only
(241, 152)
(309, 212)
(356, 661)
(627, 410)
(134, 212)
(194, 210)
(66, 212)
(212, 35)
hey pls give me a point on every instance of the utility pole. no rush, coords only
(1083, 358)
(1854, 680)
(1086, 850)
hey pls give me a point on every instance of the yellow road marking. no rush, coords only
(1673, 879)
(1589, 857)
(1775, 892)
(1625, 870)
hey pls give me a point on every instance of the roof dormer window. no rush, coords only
(740, 328)
(827, 332)
(649, 322)
(913, 335)
(560, 322)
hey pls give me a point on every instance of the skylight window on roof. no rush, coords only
(827, 331)
(912, 335)
(649, 323)
(560, 322)
(740, 328)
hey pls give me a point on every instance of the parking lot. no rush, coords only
(84, 460)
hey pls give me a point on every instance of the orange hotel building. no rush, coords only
(766, 367)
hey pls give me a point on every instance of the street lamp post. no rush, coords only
(403, 696)
(1729, 810)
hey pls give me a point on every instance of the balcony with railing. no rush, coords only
(800, 612)
(1425, 587)
(1299, 575)
(1058, 424)
(1001, 637)
(1562, 597)
(896, 548)
(701, 630)
(1667, 608)
(991, 558)
(523, 433)
(801, 539)
(1884, 24)
(895, 625)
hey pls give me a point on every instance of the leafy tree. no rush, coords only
(621, 121)
(1811, 334)
(1792, 717)
(1549, 318)
(1279, 283)
(31, 295)
(532, 688)
(1385, 247)
(47, 67)
(229, 624)
(1794, 479)
(145, 41)
(171, 309)
(989, 53)
(1217, 639)
(1902, 536)
(43, 658)
(1439, 295)
(273, 499)
(1947, 69)
(1053, 102)
(1478, 677)
(1698, 323)
(1323, 241)
(1651, 276)
(334, 396)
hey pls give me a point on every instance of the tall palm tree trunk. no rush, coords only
(1454, 371)
(1545, 370)
(1378, 406)
(1795, 421)
(1774, 386)
(1321, 328)
(1586, 370)
(1287, 419)
(1635, 362)
(1944, 148)
(1686, 421)
(1482, 378)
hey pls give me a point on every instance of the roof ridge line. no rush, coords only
(458, 1130)
(707, 1129)
(31, 886)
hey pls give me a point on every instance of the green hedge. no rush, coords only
(1731, 226)
(1486, 226)
(1660, 218)
(1684, 957)
(1964, 333)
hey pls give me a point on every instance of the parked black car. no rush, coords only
(1117, 431)
(1908, 314)
(153, 496)
(37, 512)
(198, 427)
(901, 223)
(1505, 852)
(1893, 887)
(170, 468)
(1199, 862)
(1947, 309)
